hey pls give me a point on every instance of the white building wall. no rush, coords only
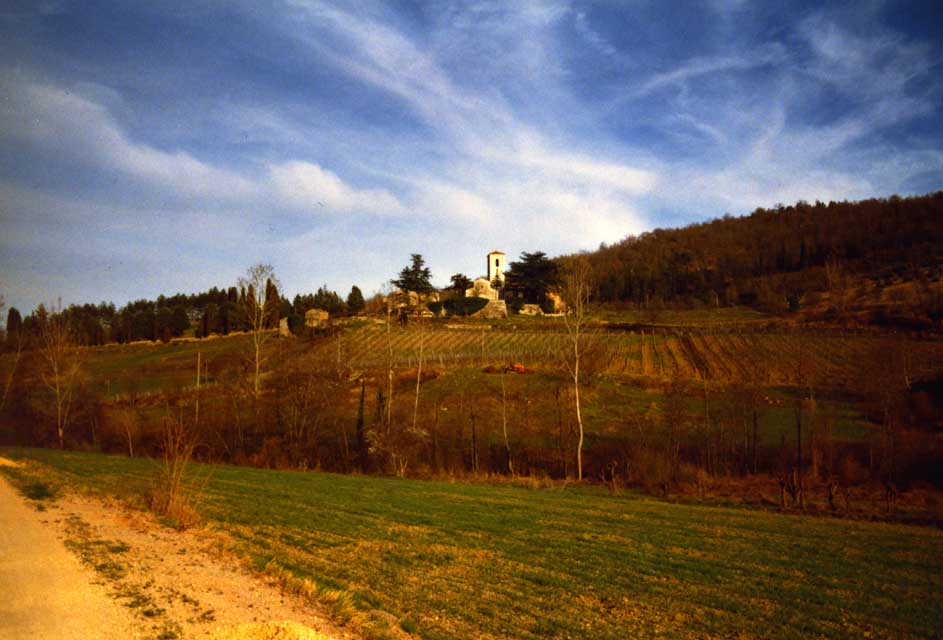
(497, 264)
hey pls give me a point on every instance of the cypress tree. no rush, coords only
(14, 325)
(355, 301)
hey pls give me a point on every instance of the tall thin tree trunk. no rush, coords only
(196, 413)
(799, 455)
(418, 374)
(435, 440)
(258, 364)
(474, 442)
(361, 443)
(579, 411)
(59, 426)
(755, 429)
(504, 423)
(712, 451)
(389, 394)
(130, 441)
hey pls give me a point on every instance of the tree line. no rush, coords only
(218, 311)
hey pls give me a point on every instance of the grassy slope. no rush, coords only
(460, 560)
(156, 367)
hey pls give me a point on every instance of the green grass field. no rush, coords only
(455, 560)
(156, 367)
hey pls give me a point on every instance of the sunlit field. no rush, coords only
(456, 560)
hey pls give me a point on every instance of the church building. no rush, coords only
(482, 287)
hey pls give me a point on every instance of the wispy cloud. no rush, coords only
(771, 54)
(67, 124)
(306, 186)
(490, 147)
(597, 41)
(375, 131)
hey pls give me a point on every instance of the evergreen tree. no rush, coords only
(211, 320)
(180, 321)
(355, 301)
(271, 293)
(14, 325)
(284, 308)
(415, 277)
(531, 277)
(163, 322)
(460, 283)
(326, 300)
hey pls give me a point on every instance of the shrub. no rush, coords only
(465, 306)
(515, 304)
(168, 495)
(38, 490)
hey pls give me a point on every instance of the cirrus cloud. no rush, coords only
(308, 186)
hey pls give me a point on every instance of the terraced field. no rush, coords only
(689, 354)
(770, 358)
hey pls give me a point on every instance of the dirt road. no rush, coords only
(44, 590)
(93, 568)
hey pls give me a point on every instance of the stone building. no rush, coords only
(497, 264)
(316, 318)
(403, 301)
(482, 288)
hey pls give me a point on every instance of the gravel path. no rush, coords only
(125, 577)
(44, 591)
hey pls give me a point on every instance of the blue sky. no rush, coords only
(151, 148)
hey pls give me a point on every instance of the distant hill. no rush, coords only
(877, 261)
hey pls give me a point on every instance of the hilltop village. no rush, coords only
(487, 296)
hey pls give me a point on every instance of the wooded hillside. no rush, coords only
(780, 259)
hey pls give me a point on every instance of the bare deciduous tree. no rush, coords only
(258, 306)
(390, 364)
(504, 420)
(129, 422)
(576, 287)
(418, 368)
(170, 496)
(887, 377)
(61, 373)
(837, 281)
